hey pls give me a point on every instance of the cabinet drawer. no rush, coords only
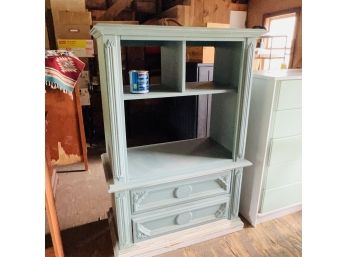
(281, 197)
(287, 123)
(144, 199)
(285, 150)
(284, 174)
(151, 224)
(290, 95)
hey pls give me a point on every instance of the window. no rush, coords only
(275, 49)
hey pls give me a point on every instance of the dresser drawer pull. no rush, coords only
(183, 218)
(183, 191)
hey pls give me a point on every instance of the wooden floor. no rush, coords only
(278, 238)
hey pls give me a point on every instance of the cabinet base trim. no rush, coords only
(278, 213)
(176, 240)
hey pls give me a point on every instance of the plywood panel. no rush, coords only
(65, 131)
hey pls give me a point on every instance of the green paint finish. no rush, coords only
(167, 187)
(149, 198)
(179, 217)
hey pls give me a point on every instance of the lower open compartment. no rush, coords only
(163, 138)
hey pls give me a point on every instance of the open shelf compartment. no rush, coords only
(228, 58)
(172, 70)
(177, 158)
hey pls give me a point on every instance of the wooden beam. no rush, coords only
(52, 217)
(115, 9)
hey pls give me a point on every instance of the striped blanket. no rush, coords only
(62, 69)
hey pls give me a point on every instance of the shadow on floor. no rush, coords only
(89, 240)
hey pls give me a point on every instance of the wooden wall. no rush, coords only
(256, 11)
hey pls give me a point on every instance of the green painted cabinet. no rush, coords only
(272, 186)
(162, 188)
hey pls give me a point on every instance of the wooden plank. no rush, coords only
(65, 131)
(49, 252)
(81, 126)
(198, 13)
(52, 217)
(115, 9)
(146, 6)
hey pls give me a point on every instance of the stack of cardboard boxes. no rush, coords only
(72, 24)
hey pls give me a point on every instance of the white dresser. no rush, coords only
(272, 186)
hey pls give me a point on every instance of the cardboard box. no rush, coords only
(68, 5)
(80, 47)
(73, 25)
(204, 54)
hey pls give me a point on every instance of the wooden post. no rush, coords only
(52, 216)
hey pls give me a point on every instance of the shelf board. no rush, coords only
(203, 88)
(176, 158)
(169, 162)
(192, 88)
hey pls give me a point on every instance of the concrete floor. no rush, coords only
(82, 197)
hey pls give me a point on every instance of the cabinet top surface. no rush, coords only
(279, 74)
(175, 32)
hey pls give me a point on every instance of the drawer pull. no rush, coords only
(183, 191)
(183, 218)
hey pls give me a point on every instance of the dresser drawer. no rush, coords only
(290, 95)
(287, 123)
(284, 174)
(285, 150)
(151, 224)
(278, 198)
(147, 198)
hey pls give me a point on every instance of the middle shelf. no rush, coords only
(175, 161)
(192, 88)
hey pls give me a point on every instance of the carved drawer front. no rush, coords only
(156, 223)
(149, 198)
(290, 94)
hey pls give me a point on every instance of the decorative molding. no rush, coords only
(183, 218)
(138, 197)
(246, 99)
(110, 43)
(237, 181)
(223, 181)
(112, 49)
(124, 228)
(221, 211)
(142, 232)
